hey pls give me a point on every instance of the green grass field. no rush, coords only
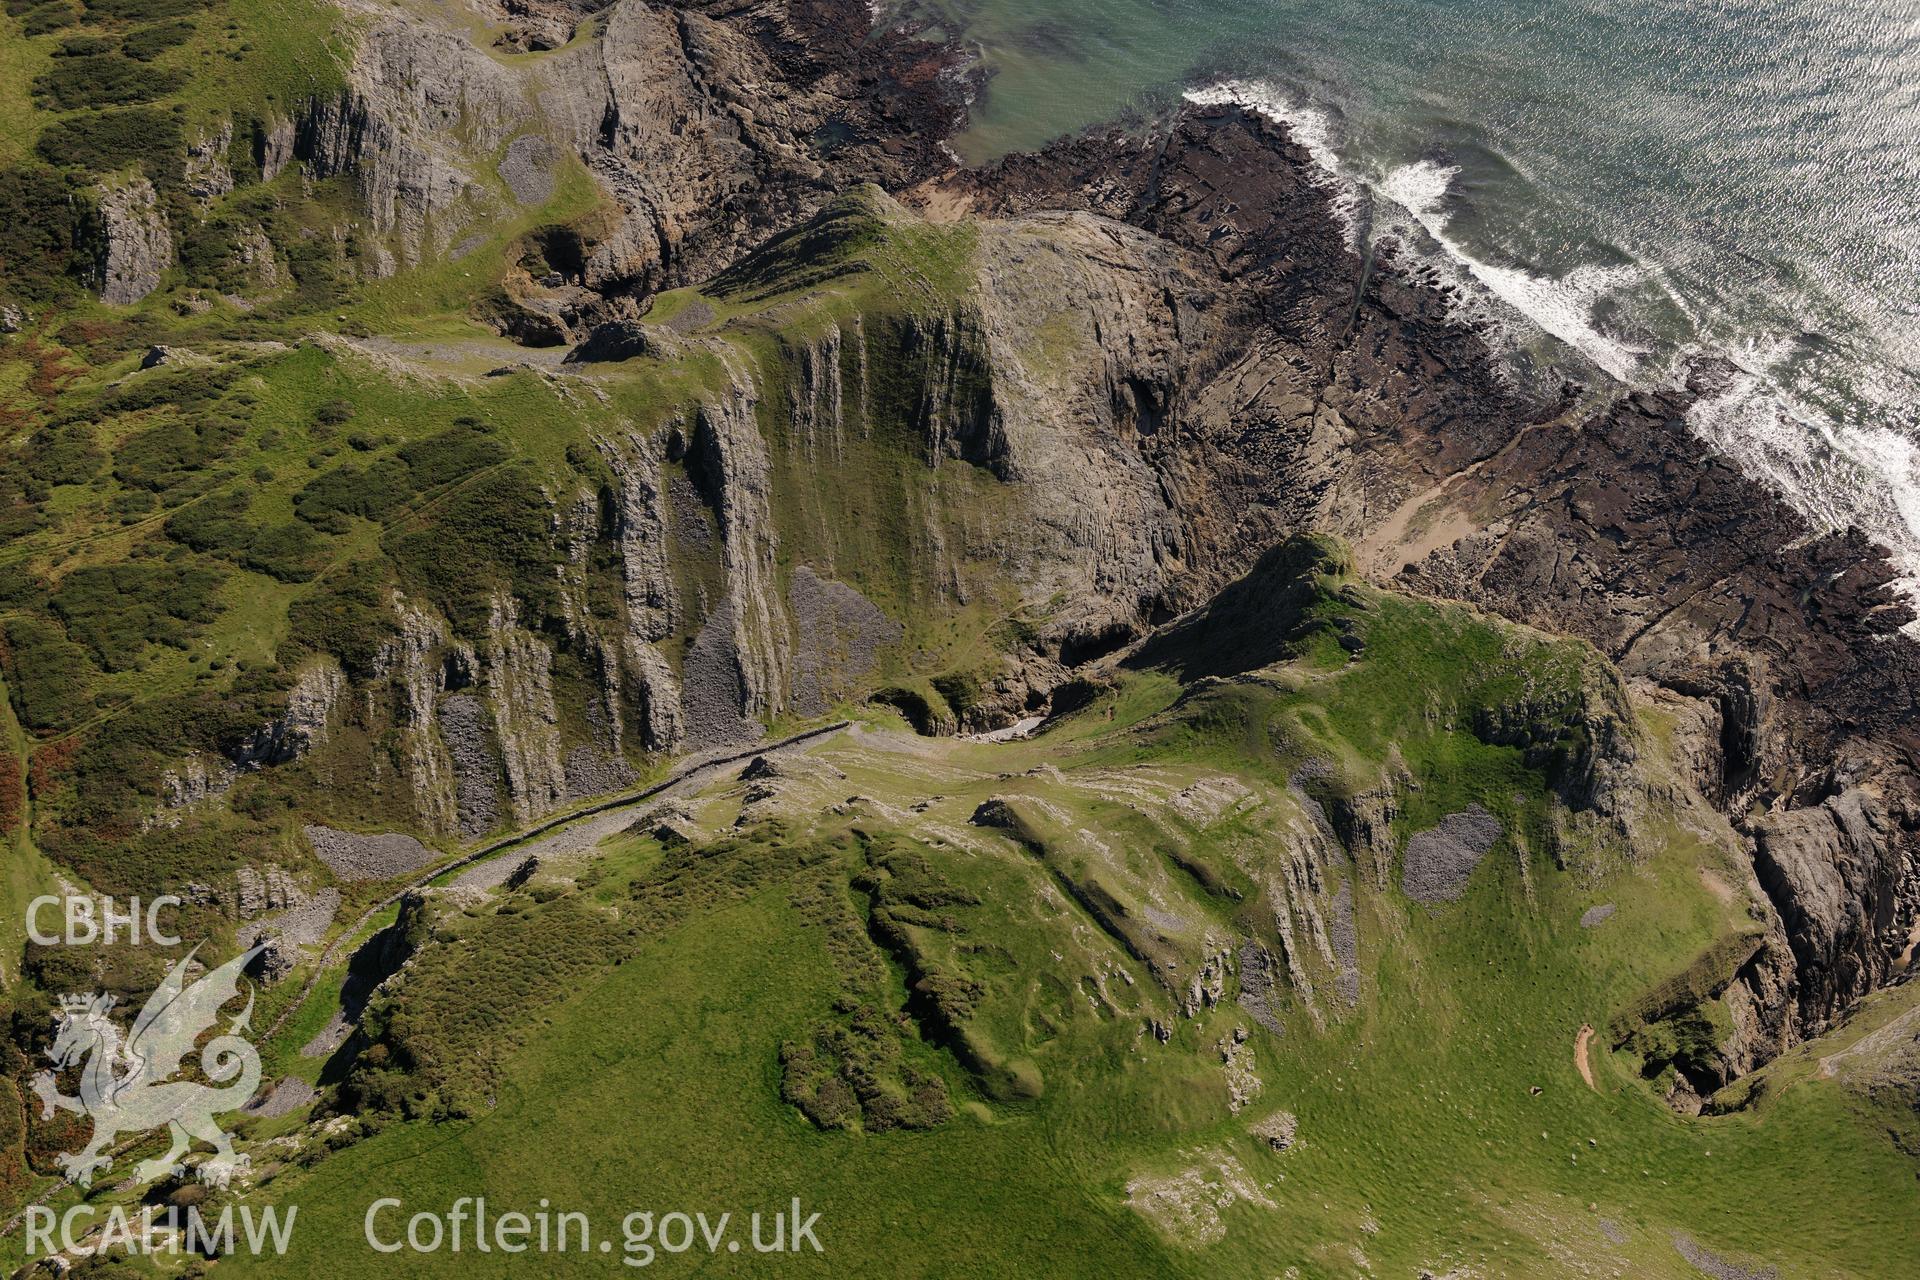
(1442, 1122)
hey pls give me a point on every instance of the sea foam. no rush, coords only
(1561, 306)
(1835, 475)
(1308, 126)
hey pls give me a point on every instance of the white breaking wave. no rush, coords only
(1310, 127)
(1563, 307)
(1835, 475)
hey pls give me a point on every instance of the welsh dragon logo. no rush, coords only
(125, 1087)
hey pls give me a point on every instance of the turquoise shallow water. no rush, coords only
(1645, 180)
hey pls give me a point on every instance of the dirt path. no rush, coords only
(1905, 959)
(691, 767)
(1580, 1043)
(1714, 885)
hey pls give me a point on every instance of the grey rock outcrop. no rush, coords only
(1439, 861)
(647, 582)
(738, 668)
(1278, 1130)
(526, 723)
(666, 104)
(1834, 872)
(419, 102)
(528, 168)
(274, 146)
(535, 25)
(208, 174)
(416, 665)
(192, 782)
(311, 703)
(254, 259)
(838, 637)
(354, 855)
(274, 962)
(135, 245)
(474, 761)
(268, 888)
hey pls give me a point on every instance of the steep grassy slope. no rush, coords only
(103, 90)
(1032, 968)
(194, 537)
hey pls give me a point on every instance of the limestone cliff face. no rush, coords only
(420, 104)
(208, 169)
(311, 709)
(737, 668)
(665, 104)
(647, 588)
(518, 674)
(135, 245)
(1088, 329)
(417, 670)
(1836, 873)
(1060, 354)
(1163, 360)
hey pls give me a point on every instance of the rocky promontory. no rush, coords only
(1595, 512)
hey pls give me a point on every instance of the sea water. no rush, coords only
(1629, 185)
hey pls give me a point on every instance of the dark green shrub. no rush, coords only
(103, 141)
(347, 617)
(85, 46)
(452, 455)
(493, 535)
(47, 673)
(222, 526)
(372, 492)
(289, 552)
(184, 389)
(207, 254)
(102, 80)
(147, 43)
(961, 689)
(217, 525)
(144, 863)
(48, 17)
(172, 458)
(63, 455)
(36, 232)
(118, 610)
(143, 10)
